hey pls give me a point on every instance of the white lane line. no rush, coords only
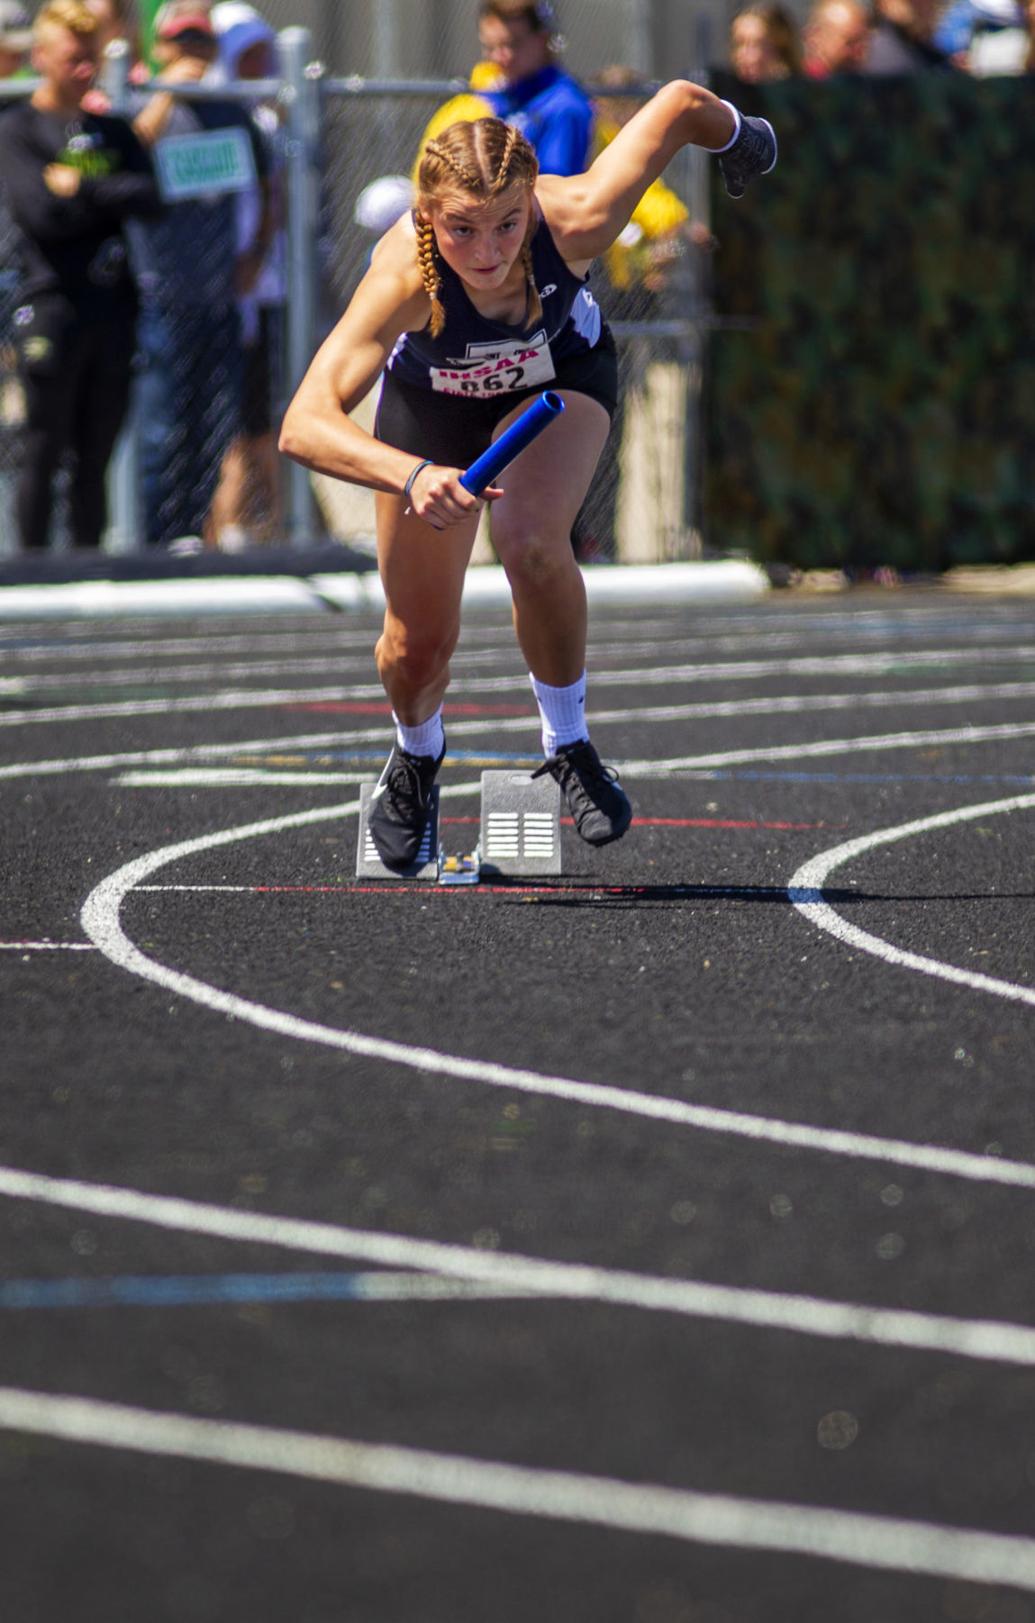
(771, 705)
(246, 699)
(507, 724)
(101, 923)
(500, 639)
(339, 665)
(806, 892)
(880, 662)
(853, 1537)
(249, 698)
(829, 746)
(242, 777)
(47, 946)
(984, 1340)
(189, 752)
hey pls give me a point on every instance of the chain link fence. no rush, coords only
(330, 140)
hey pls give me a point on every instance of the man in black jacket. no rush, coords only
(71, 179)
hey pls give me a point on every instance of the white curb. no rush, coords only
(726, 580)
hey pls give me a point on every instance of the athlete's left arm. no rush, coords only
(586, 213)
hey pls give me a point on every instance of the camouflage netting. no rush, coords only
(870, 397)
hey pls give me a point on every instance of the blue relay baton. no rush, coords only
(531, 423)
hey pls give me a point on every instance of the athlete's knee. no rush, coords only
(416, 654)
(538, 560)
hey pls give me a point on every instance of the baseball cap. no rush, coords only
(15, 26)
(182, 17)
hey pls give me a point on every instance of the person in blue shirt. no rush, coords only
(550, 109)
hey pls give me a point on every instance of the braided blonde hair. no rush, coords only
(483, 158)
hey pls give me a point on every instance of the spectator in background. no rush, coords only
(984, 37)
(836, 38)
(71, 178)
(549, 107)
(246, 505)
(764, 44)
(15, 40)
(903, 38)
(193, 270)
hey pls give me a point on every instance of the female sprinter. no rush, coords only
(470, 308)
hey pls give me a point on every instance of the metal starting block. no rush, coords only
(369, 864)
(520, 835)
(521, 825)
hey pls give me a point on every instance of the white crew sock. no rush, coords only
(736, 129)
(562, 712)
(428, 738)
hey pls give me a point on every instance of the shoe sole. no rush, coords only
(608, 839)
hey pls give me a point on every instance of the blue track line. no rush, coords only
(181, 1291)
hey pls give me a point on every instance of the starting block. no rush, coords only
(369, 864)
(520, 835)
(521, 825)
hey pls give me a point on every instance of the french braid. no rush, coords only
(429, 272)
(535, 303)
(469, 179)
(503, 172)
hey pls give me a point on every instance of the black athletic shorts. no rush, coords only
(454, 431)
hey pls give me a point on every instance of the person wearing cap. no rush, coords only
(193, 270)
(71, 178)
(550, 109)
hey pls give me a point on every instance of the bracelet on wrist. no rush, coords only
(408, 486)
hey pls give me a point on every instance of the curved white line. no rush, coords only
(102, 925)
(806, 892)
(854, 1537)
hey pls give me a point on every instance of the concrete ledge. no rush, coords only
(118, 599)
(727, 581)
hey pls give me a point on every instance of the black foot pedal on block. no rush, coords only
(369, 864)
(521, 825)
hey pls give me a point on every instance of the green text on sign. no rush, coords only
(207, 165)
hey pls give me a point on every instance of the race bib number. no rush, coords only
(502, 371)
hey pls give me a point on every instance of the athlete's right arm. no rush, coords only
(317, 430)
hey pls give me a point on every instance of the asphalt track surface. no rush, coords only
(650, 1245)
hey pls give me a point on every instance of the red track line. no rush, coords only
(680, 822)
(428, 887)
(374, 707)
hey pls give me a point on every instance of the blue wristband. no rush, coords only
(408, 486)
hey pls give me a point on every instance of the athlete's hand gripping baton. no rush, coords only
(539, 415)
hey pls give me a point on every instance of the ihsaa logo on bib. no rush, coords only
(493, 368)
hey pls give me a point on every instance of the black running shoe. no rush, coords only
(595, 799)
(752, 153)
(399, 806)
